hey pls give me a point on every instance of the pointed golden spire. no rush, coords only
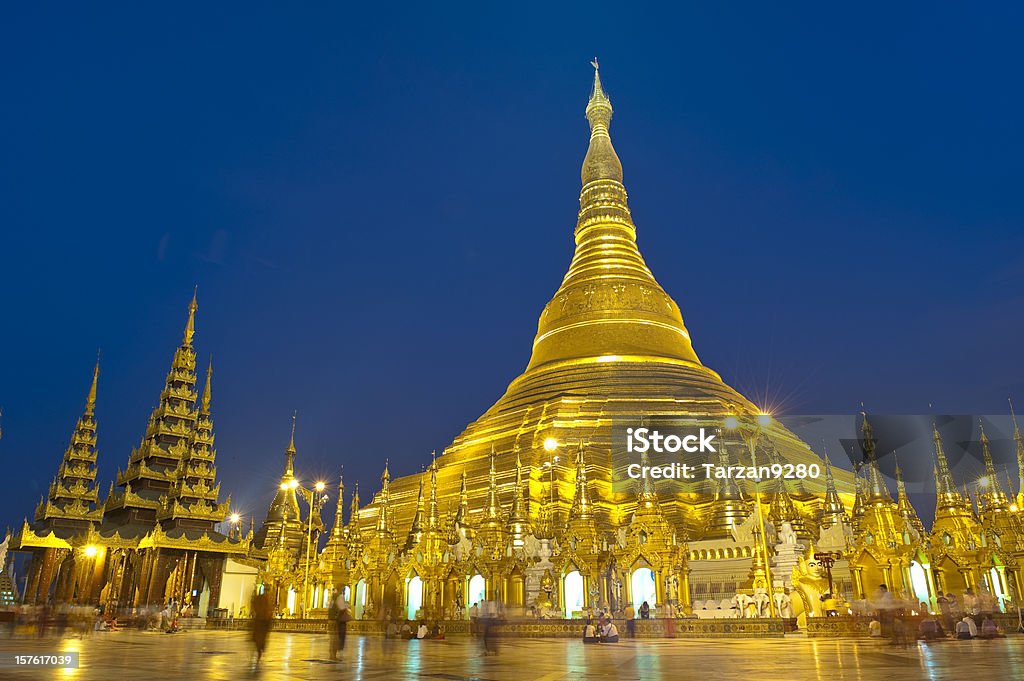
(433, 520)
(90, 400)
(581, 506)
(289, 460)
(945, 488)
(518, 516)
(353, 514)
(608, 291)
(877, 491)
(493, 505)
(207, 390)
(1018, 441)
(383, 526)
(190, 326)
(903, 505)
(992, 495)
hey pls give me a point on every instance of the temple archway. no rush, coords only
(919, 583)
(477, 590)
(413, 597)
(642, 588)
(572, 588)
(360, 601)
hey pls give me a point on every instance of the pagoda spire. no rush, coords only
(155, 465)
(608, 289)
(339, 509)
(519, 519)
(461, 520)
(207, 390)
(433, 520)
(353, 514)
(877, 491)
(945, 488)
(582, 509)
(383, 526)
(190, 325)
(289, 452)
(416, 529)
(993, 496)
(90, 400)
(194, 500)
(73, 495)
(1018, 441)
(832, 510)
(493, 505)
(283, 523)
(903, 505)
(728, 509)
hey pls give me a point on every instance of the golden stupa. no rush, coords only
(611, 349)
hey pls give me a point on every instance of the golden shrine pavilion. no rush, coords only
(153, 539)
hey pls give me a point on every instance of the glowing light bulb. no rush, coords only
(90, 550)
(320, 486)
(235, 518)
(550, 444)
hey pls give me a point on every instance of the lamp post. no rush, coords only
(315, 499)
(749, 433)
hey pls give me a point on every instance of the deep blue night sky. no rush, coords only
(376, 205)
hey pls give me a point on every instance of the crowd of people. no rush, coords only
(969, 618)
(79, 620)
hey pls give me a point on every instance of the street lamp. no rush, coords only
(749, 432)
(315, 499)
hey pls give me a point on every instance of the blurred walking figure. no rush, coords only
(344, 614)
(262, 617)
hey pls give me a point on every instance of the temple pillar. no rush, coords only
(684, 591)
(858, 583)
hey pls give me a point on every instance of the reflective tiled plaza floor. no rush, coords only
(201, 655)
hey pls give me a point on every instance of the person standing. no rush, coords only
(630, 616)
(343, 615)
(262, 617)
(645, 611)
(474, 617)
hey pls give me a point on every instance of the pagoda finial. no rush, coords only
(581, 507)
(601, 162)
(207, 391)
(877, 490)
(493, 507)
(289, 452)
(993, 495)
(90, 401)
(190, 325)
(291, 441)
(1018, 441)
(945, 487)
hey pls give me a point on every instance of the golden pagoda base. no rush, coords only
(654, 628)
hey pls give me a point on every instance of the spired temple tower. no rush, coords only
(153, 540)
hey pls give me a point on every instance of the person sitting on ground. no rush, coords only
(392, 630)
(436, 632)
(930, 629)
(609, 633)
(645, 611)
(590, 633)
(989, 628)
(875, 629)
(406, 630)
(421, 631)
(966, 629)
